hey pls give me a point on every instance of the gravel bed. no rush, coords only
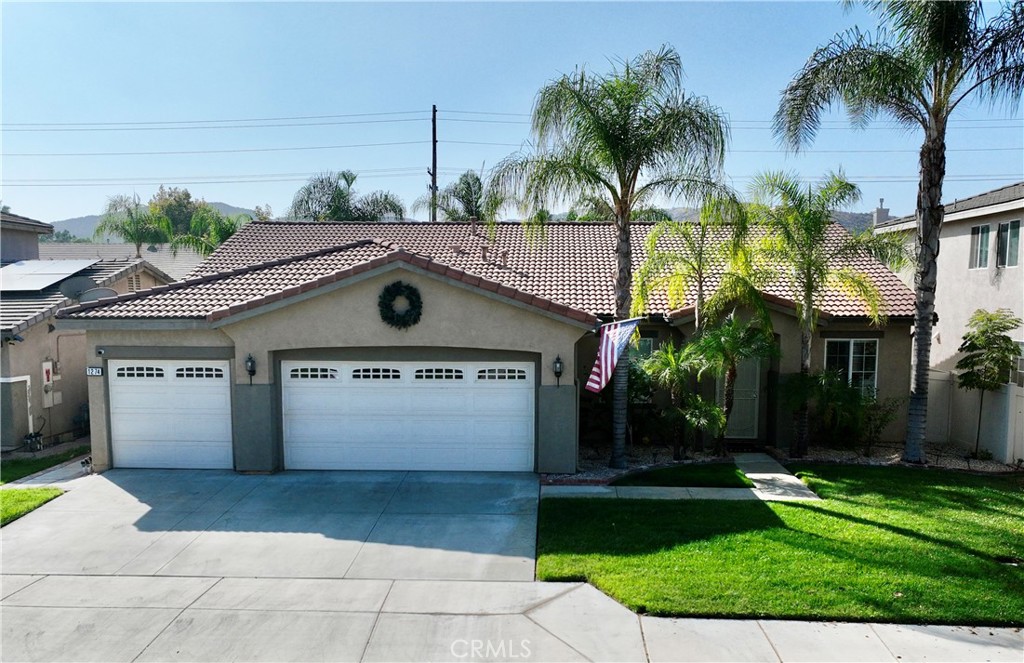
(594, 470)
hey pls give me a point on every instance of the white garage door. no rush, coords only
(408, 415)
(173, 414)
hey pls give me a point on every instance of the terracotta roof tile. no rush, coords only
(569, 269)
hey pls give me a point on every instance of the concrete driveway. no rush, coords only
(381, 525)
(336, 566)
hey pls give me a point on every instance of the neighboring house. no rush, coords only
(274, 354)
(159, 256)
(42, 371)
(979, 267)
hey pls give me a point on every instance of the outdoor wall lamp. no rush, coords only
(250, 366)
(557, 367)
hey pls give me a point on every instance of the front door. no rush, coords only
(744, 415)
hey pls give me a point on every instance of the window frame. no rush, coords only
(1003, 232)
(979, 246)
(849, 360)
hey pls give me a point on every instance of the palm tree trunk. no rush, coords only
(803, 414)
(730, 400)
(929, 223)
(623, 300)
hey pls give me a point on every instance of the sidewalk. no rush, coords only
(772, 483)
(290, 619)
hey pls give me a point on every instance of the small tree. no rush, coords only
(668, 370)
(718, 350)
(990, 355)
(208, 230)
(132, 222)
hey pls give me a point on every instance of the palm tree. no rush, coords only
(464, 199)
(627, 136)
(668, 370)
(329, 196)
(596, 208)
(125, 217)
(927, 60)
(686, 258)
(208, 230)
(811, 257)
(720, 349)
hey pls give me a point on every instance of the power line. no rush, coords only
(222, 126)
(224, 151)
(239, 119)
(452, 142)
(299, 177)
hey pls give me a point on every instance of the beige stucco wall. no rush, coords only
(18, 244)
(453, 316)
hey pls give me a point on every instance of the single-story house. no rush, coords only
(177, 265)
(43, 387)
(406, 346)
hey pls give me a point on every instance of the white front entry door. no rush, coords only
(745, 410)
(173, 414)
(380, 415)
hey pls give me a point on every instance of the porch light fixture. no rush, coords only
(557, 367)
(250, 366)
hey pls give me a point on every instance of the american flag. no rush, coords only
(614, 337)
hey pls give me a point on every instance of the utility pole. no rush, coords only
(433, 164)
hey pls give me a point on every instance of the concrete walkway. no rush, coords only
(772, 483)
(127, 618)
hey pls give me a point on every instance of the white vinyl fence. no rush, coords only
(953, 417)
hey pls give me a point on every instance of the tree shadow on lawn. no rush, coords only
(589, 526)
(911, 488)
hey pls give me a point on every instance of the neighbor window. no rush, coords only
(856, 360)
(979, 247)
(1008, 244)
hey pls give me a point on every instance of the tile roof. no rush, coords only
(20, 222)
(159, 255)
(21, 310)
(570, 265)
(1004, 194)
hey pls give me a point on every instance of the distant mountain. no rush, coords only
(85, 226)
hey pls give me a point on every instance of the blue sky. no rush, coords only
(481, 64)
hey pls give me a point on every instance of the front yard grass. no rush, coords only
(16, 502)
(886, 544)
(12, 470)
(702, 475)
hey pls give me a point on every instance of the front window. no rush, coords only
(644, 346)
(1008, 244)
(856, 360)
(979, 247)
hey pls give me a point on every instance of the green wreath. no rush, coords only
(386, 304)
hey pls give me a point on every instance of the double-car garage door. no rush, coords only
(408, 415)
(335, 415)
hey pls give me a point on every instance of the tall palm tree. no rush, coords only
(628, 136)
(595, 208)
(133, 222)
(465, 198)
(208, 230)
(927, 59)
(811, 257)
(329, 196)
(719, 350)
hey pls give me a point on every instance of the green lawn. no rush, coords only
(11, 470)
(705, 475)
(16, 502)
(886, 544)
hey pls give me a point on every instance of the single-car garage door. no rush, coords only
(408, 415)
(173, 414)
